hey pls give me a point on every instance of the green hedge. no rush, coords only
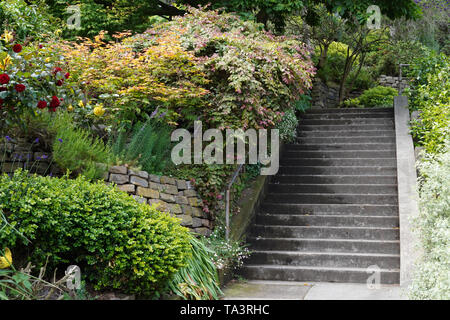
(373, 98)
(117, 242)
(432, 98)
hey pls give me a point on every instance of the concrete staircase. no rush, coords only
(332, 209)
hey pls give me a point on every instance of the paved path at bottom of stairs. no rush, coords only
(287, 290)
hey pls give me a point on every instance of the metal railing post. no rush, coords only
(227, 202)
(400, 89)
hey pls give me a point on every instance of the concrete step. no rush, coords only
(332, 198)
(328, 220)
(321, 232)
(351, 122)
(348, 115)
(335, 179)
(350, 110)
(297, 273)
(325, 245)
(348, 154)
(332, 140)
(286, 160)
(341, 146)
(337, 170)
(330, 209)
(347, 127)
(327, 260)
(333, 188)
(344, 133)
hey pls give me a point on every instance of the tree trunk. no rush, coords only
(361, 62)
(347, 68)
(262, 17)
(323, 56)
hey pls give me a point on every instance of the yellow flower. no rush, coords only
(81, 104)
(47, 60)
(6, 260)
(70, 108)
(99, 111)
(4, 63)
(7, 36)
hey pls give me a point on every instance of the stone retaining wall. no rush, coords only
(324, 96)
(175, 196)
(388, 81)
(15, 154)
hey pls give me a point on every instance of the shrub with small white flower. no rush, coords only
(227, 255)
(288, 126)
(432, 279)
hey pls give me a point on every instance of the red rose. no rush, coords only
(41, 46)
(54, 103)
(52, 109)
(4, 78)
(67, 75)
(17, 48)
(19, 87)
(42, 104)
(56, 70)
(59, 83)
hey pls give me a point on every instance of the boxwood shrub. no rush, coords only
(118, 242)
(377, 97)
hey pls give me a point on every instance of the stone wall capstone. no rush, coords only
(178, 197)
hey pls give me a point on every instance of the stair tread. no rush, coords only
(298, 176)
(352, 133)
(335, 166)
(327, 239)
(339, 143)
(334, 194)
(341, 151)
(350, 110)
(327, 227)
(315, 268)
(324, 215)
(300, 253)
(333, 204)
(337, 158)
(332, 184)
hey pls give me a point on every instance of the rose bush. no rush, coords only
(29, 79)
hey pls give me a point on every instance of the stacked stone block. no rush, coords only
(18, 154)
(393, 82)
(324, 96)
(175, 196)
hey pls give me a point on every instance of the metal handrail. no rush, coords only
(400, 89)
(227, 201)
